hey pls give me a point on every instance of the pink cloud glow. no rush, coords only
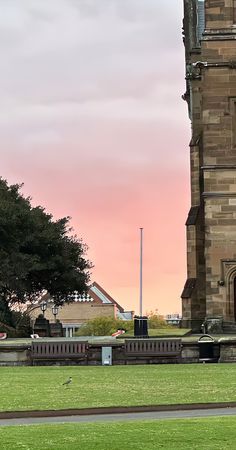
(92, 122)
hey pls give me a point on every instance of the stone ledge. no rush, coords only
(114, 410)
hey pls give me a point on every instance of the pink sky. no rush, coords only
(92, 121)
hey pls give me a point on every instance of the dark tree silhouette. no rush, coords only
(37, 253)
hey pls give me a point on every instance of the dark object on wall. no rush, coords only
(56, 329)
(208, 350)
(141, 326)
(42, 326)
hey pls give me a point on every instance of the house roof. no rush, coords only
(95, 294)
(98, 293)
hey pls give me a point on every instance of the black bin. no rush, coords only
(206, 348)
(141, 326)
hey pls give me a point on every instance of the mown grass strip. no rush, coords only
(199, 434)
(40, 388)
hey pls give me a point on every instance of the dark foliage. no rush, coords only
(37, 253)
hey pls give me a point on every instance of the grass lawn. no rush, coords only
(29, 388)
(161, 332)
(198, 434)
(172, 331)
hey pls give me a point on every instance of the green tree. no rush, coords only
(37, 253)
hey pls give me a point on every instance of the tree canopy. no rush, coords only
(37, 253)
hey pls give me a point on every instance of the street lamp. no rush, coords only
(43, 307)
(55, 310)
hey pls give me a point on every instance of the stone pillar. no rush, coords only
(42, 326)
(56, 329)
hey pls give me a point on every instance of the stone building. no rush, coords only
(210, 47)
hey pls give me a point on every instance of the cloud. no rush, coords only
(67, 62)
(92, 121)
(69, 56)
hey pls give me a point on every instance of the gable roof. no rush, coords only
(97, 292)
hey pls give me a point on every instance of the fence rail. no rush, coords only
(153, 347)
(58, 350)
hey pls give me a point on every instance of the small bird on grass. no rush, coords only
(67, 382)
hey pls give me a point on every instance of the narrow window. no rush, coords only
(234, 8)
(233, 118)
(234, 124)
(201, 20)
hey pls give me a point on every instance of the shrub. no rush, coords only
(104, 326)
(22, 324)
(155, 321)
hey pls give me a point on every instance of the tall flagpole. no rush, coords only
(141, 274)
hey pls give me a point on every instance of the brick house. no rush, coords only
(97, 303)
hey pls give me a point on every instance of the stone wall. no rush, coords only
(219, 14)
(211, 96)
(219, 165)
(228, 352)
(17, 355)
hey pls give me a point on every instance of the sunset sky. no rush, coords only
(92, 121)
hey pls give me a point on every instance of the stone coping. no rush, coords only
(113, 410)
(218, 339)
(24, 344)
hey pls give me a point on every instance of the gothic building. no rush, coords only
(210, 48)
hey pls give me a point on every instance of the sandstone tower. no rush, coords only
(210, 47)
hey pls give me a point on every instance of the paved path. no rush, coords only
(154, 415)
